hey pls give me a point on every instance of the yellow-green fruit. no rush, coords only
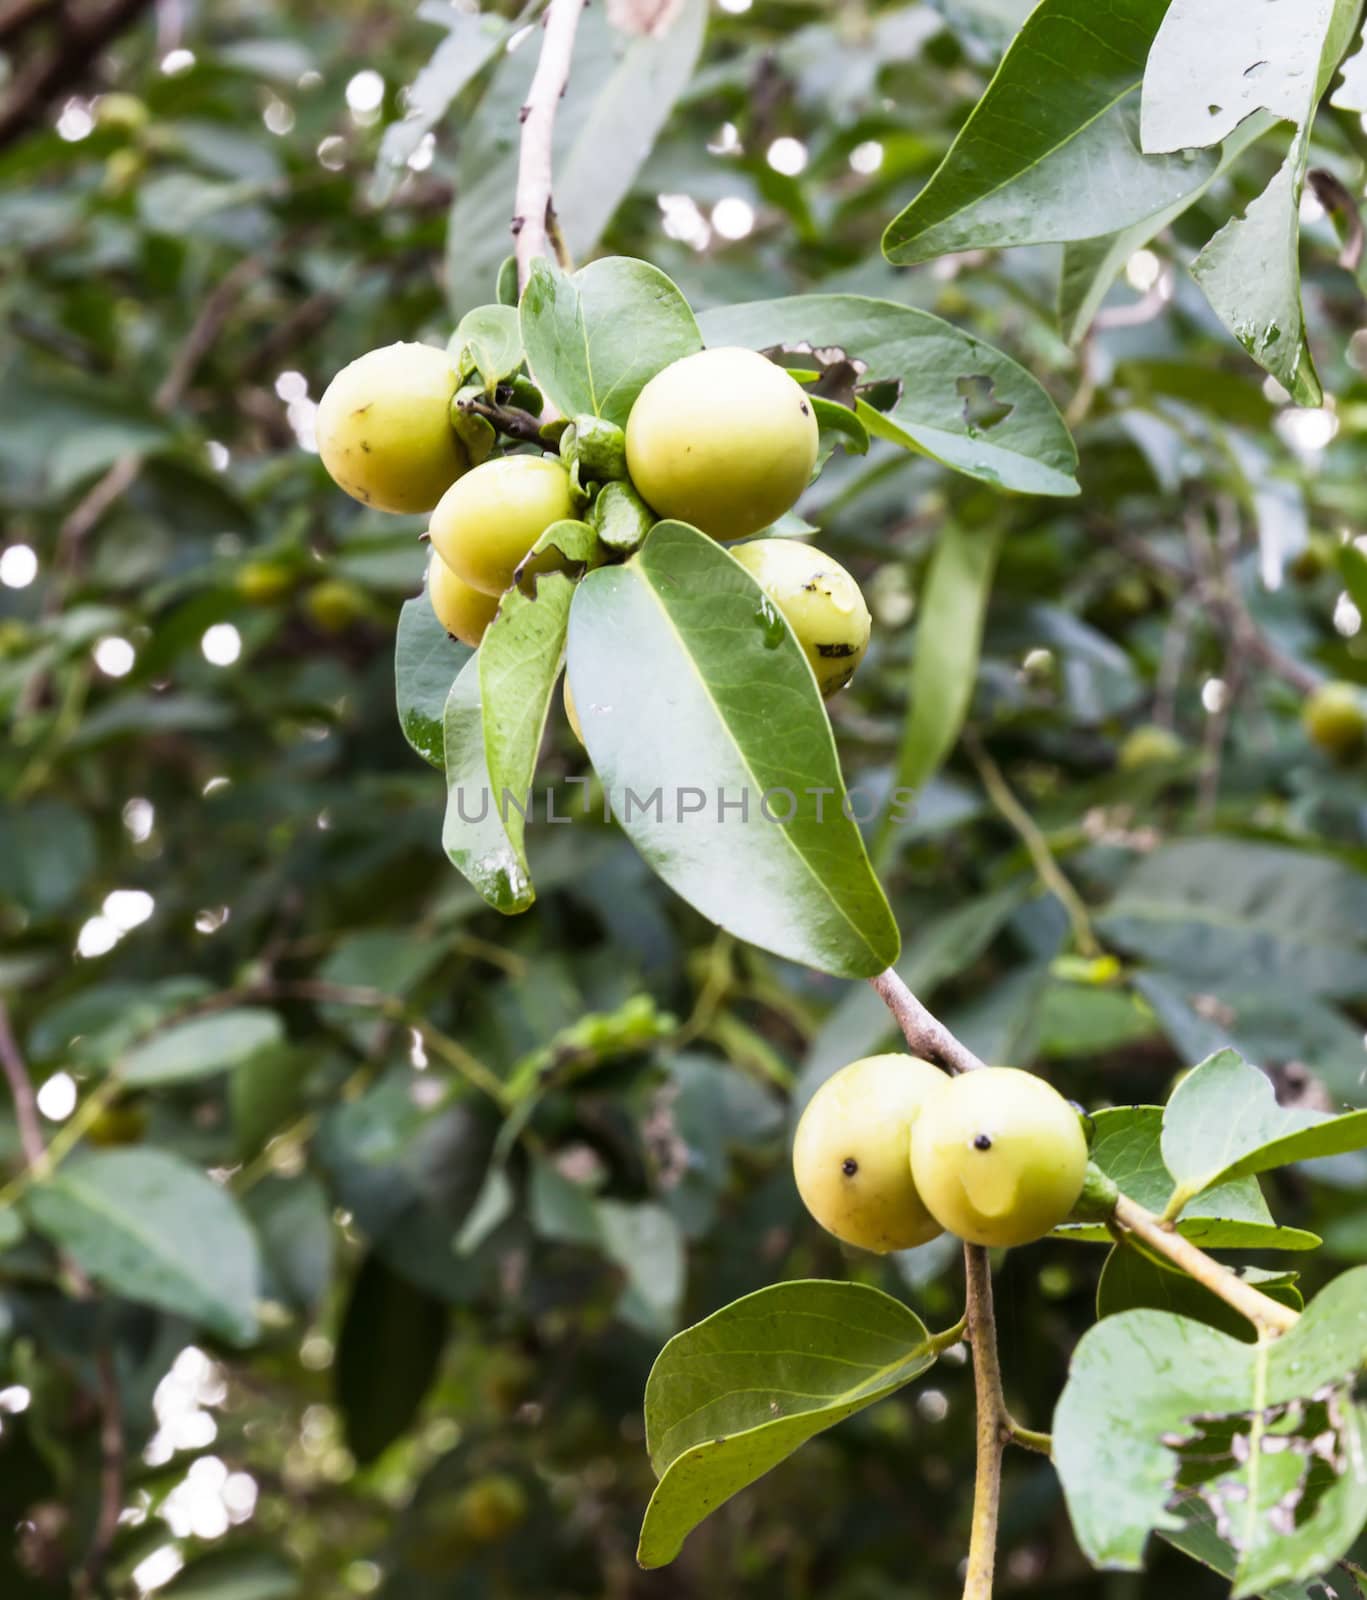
(1147, 746)
(260, 582)
(384, 428)
(571, 713)
(124, 113)
(464, 612)
(850, 1152)
(117, 1125)
(334, 604)
(1335, 719)
(725, 440)
(489, 519)
(998, 1156)
(491, 1508)
(821, 601)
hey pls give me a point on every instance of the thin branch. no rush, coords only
(50, 76)
(991, 1427)
(510, 420)
(25, 1096)
(925, 1034)
(1047, 869)
(1339, 201)
(19, 17)
(532, 200)
(1268, 1316)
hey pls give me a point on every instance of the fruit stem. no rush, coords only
(532, 201)
(992, 1427)
(1131, 1221)
(926, 1035)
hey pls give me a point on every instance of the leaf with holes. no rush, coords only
(730, 1398)
(1271, 1436)
(1223, 1123)
(957, 400)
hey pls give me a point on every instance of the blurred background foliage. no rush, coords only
(415, 1365)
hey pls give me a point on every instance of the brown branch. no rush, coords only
(925, 1034)
(532, 200)
(17, 18)
(1339, 201)
(510, 420)
(993, 1425)
(82, 40)
(21, 1088)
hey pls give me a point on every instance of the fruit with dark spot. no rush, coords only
(384, 428)
(998, 1156)
(489, 519)
(464, 612)
(1335, 719)
(821, 601)
(724, 440)
(850, 1154)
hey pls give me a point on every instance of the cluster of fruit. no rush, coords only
(725, 440)
(891, 1152)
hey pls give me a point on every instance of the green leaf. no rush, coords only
(47, 851)
(596, 338)
(293, 1222)
(940, 372)
(645, 1242)
(1353, 570)
(148, 1226)
(1216, 62)
(1280, 1436)
(1131, 1279)
(1198, 1538)
(1223, 1122)
(477, 831)
(733, 1396)
(471, 42)
(204, 1045)
(388, 1352)
(1051, 151)
(489, 339)
(670, 655)
(1230, 1216)
(840, 425)
(1351, 94)
(629, 111)
(1236, 913)
(426, 663)
(1091, 266)
(944, 662)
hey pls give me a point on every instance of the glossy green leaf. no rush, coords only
(1132, 1280)
(944, 662)
(1223, 1122)
(1278, 1429)
(388, 1351)
(482, 831)
(204, 1045)
(1232, 1215)
(1051, 151)
(148, 1226)
(731, 1397)
(595, 338)
(489, 339)
(671, 657)
(1228, 911)
(940, 373)
(426, 662)
(1091, 266)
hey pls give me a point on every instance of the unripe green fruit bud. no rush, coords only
(123, 113)
(260, 582)
(999, 1156)
(724, 440)
(488, 520)
(464, 612)
(1148, 746)
(384, 428)
(850, 1154)
(1335, 719)
(620, 518)
(335, 604)
(821, 601)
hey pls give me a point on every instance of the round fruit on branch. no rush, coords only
(821, 601)
(488, 520)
